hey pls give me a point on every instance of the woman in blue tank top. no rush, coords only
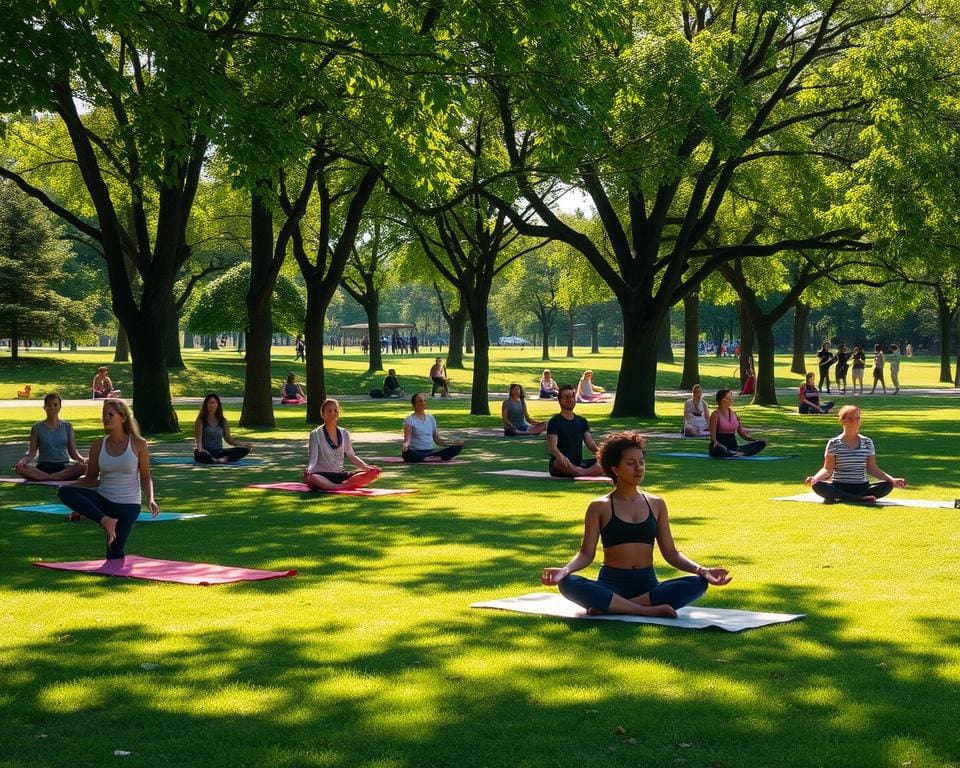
(52, 442)
(211, 431)
(515, 417)
(118, 475)
(628, 522)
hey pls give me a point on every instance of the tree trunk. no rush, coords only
(188, 342)
(546, 325)
(15, 340)
(637, 383)
(172, 341)
(766, 390)
(944, 321)
(664, 349)
(468, 340)
(371, 306)
(746, 341)
(570, 331)
(801, 312)
(313, 328)
(691, 341)
(457, 322)
(594, 336)
(152, 406)
(257, 385)
(479, 394)
(121, 353)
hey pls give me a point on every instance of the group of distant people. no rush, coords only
(855, 362)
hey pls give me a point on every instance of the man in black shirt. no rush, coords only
(567, 433)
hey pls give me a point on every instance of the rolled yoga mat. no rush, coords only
(691, 617)
(136, 567)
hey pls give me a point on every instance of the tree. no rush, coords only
(31, 262)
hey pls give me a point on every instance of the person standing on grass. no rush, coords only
(628, 522)
(859, 363)
(420, 436)
(441, 382)
(825, 359)
(329, 444)
(52, 441)
(878, 363)
(118, 474)
(894, 357)
(847, 461)
(843, 364)
(211, 431)
(567, 433)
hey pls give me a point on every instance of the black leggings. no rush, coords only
(726, 447)
(415, 456)
(852, 491)
(210, 457)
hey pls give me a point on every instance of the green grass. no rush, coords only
(370, 656)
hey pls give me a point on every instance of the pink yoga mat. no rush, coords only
(136, 567)
(19, 480)
(399, 460)
(304, 488)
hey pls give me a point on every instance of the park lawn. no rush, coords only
(370, 656)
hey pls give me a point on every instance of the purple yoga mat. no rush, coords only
(304, 488)
(136, 567)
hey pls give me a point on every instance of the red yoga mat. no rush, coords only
(304, 488)
(136, 567)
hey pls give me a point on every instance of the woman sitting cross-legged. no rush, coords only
(847, 461)
(291, 393)
(211, 431)
(587, 391)
(329, 444)
(548, 387)
(628, 522)
(696, 415)
(420, 436)
(118, 474)
(515, 417)
(810, 397)
(52, 441)
(725, 426)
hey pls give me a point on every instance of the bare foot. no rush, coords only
(869, 499)
(664, 611)
(593, 612)
(110, 526)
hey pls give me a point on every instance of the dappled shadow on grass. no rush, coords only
(481, 688)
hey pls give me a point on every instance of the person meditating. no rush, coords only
(391, 385)
(53, 442)
(567, 433)
(211, 430)
(810, 397)
(118, 474)
(515, 417)
(420, 436)
(291, 393)
(587, 391)
(548, 387)
(725, 426)
(438, 375)
(627, 522)
(329, 443)
(102, 385)
(847, 460)
(696, 415)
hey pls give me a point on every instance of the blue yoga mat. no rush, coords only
(685, 455)
(187, 461)
(145, 517)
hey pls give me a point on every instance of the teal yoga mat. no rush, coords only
(145, 517)
(686, 455)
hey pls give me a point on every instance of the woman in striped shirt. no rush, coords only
(847, 461)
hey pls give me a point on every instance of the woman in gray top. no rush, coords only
(211, 431)
(54, 441)
(516, 420)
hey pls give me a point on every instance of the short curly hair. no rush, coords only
(613, 447)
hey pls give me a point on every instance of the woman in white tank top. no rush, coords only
(118, 474)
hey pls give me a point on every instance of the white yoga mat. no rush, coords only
(691, 617)
(546, 475)
(812, 498)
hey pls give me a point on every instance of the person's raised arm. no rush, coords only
(829, 462)
(407, 434)
(875, 471)
(314, 451)
(587, 551)
(503, 414)
(198, 435)
(714, 418)
(146, 479)
(716, 576)
(31, 448)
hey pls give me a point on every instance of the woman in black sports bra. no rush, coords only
(628, 521)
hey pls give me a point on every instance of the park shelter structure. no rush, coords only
(358, 330)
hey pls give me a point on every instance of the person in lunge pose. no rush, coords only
(211, 431)
(329, 444)
(847, 461)
(627, 522)
(118, 474)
